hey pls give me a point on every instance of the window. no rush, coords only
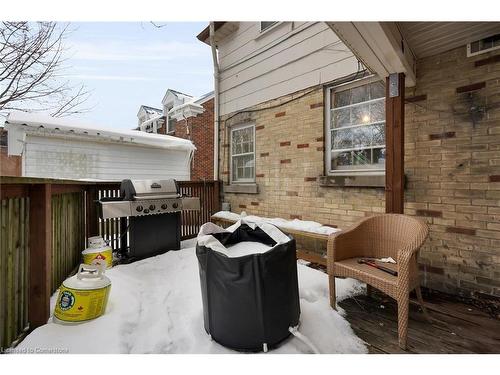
(266, 25)
(243, 153)
(356, 127)
(170, 121)
(484, 45)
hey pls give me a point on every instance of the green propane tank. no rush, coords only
(84, 296)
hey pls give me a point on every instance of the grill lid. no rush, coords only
(149, 189)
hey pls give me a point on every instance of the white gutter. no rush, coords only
(216, 100)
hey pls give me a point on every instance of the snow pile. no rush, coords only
(246, 248)
(155, 307)
(296, 224)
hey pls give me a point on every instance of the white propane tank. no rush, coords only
(98, 251)
(84, 296)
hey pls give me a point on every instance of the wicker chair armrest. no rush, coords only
(344, 244)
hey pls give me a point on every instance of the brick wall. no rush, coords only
(201, 130)
(453, 170)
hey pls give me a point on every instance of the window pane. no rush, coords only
(342, 98)
(242, 140)
(266, 25)
(362, 137)
(379, 157)
(377, 90)
(359, 94)
(361, 114)
(377, 111)
(378, 134)
(341, 159)
(361, 157)
(341, 117)
(243, 167)
(342, 139)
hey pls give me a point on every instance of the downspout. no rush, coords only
(216, 99)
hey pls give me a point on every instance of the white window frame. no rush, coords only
(328, 139)
(244, 180)
(480, 52)
(269, 27)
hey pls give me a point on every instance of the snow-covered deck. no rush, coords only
(155, 307)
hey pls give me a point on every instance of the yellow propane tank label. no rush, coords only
(77, 305)
(105, 256)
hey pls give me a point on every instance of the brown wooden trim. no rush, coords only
(260, 127)
(316, 105)
(311, 257)
(92, 224)
(280, 114)
(495, 178)
(472, 87)
(445, 135)
(286, 143)
(468, 231)
(416, 98)
(264, 154)
(303, 145)
(394, 134)
(489, 60)
(40, 254)
(429, 213)
(286, 161)
(66, 189)
(13, 191)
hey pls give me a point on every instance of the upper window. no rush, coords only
(243, 153)
(266, 25)
(483, 45)
(356, 127)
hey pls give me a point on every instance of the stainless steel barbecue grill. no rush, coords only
(153, 208)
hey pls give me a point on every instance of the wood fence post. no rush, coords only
(92, 223)
(40, 245)
(395, 140)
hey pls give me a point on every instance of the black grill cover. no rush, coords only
(253, 299)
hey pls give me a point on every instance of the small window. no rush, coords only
(484, 45)
(266, 25)
(243, 153)
(356, 127)
(171, 124)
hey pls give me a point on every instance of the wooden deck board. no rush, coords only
(456, 327)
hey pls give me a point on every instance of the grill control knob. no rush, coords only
(175, 205)
(152, 207)
(164, 206)
(146, 211)
(138, 208)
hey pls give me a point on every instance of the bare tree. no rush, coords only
(32, 67)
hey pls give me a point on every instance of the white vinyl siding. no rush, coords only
(243, 154)
(356, 127)
(76, 159)
(256, 67)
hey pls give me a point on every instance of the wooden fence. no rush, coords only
(43, 228)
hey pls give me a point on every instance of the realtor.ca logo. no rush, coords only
(67, 300)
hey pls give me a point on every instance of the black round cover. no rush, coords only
(253, 299)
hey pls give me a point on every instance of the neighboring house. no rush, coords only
(304, 132)
(191, 118)
(61, 148)
(147, 113)
(9, 165)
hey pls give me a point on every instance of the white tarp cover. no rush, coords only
(206, 239)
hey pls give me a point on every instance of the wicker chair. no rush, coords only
(388, 235)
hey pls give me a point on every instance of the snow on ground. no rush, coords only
(296, 224)
(155, 307)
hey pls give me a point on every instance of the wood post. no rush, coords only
(40, 243)
(92, 217)
(394, 138)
